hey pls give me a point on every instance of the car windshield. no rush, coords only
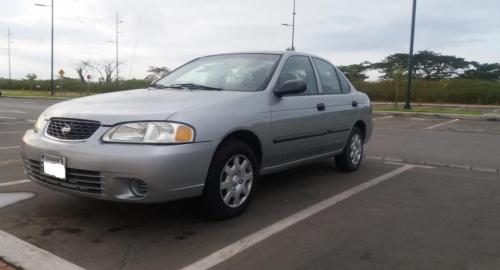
(229, 72)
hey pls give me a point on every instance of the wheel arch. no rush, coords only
(246, 136)
(362, 127)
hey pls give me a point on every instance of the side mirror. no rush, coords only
(291, 87)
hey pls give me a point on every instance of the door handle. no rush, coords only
(354, 103)
(321, 106)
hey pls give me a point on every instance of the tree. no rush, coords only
(156, 73)
(356, 72)
(82, 69)
(31, 77)
(482, 71)
(427, 65)
(391, 65)
(434, 66)
(105, 68)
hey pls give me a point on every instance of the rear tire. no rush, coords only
(231, 181)
(352, 156)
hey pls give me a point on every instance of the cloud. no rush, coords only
(169, 33)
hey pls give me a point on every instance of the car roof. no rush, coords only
(270, 52)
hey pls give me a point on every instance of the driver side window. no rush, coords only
(299, 68)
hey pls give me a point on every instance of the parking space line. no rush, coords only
(12, 111)
(259, 236)
(11, 132)
(382, 118)
(442, 124)
(28, 256)
(6, 117)
(8, 147)
(17, 182)
(17, 123)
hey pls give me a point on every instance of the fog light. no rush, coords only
(138, 187)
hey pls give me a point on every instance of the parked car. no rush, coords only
(210, 128)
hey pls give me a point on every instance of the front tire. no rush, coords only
(352, 156)
(231, 181)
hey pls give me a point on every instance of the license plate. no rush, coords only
(54, 166)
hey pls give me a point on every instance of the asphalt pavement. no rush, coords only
(426, 197)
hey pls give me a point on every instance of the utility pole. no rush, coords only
(9, 34)
(293, 27)
(52, 86)
(116, 41)
(410, 58)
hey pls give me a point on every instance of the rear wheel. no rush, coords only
(352, 156)
(231, 181)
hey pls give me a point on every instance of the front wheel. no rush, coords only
(231, 181)
(351, 157)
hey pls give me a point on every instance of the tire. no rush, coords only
(352, 156)
(231, 181)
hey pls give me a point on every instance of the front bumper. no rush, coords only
(104, 170)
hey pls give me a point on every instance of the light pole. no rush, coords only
(118, 21)
(410, 57)
(293, 27)
(51, 46)
(9, 34)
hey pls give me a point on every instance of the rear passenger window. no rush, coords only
(346, 88)
(328, 77)
(299, 68)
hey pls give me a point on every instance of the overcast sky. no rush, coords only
(171, 32)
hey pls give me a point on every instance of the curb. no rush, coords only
(447, 105)
(483, 117)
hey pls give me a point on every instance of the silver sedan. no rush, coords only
(210, 128)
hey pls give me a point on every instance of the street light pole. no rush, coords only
(116, 41)
(293, 27)
(52, 87)
(52, 51)
(9, 34)
(410, 57)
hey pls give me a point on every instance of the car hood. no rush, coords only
(137, 105)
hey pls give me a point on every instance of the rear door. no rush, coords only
(298, 121)
(341, 109)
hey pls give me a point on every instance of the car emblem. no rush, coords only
(66, 129)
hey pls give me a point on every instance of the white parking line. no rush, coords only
(382, 118)
(442, 124)
(8, 147)
(259, 236)
(17, 123)
(17, 182)
(11, 132)
(12, 111)
(28, 256)
(6, 117)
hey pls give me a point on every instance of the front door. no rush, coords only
(298, 121)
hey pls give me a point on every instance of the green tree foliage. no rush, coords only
(31, 78)
(156, 73)
(427, 65)
(356, 72)
(483, 71)
(434, 66)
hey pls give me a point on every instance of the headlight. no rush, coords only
(40, 122)
(150, 132)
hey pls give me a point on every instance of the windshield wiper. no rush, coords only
(193, 86)
(161, 86)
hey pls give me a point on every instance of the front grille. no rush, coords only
(76, 180)
(71, 129)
